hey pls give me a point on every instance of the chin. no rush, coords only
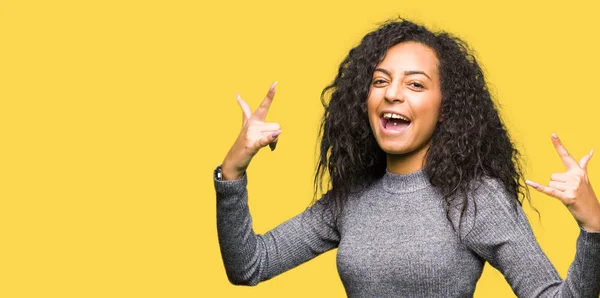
(395, 150)
(402, 148)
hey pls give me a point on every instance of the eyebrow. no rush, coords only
(406, 73)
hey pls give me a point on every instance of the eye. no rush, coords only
(378, 82)
(416, 85)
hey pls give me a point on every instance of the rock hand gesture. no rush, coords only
(255, 134)
(573, 188)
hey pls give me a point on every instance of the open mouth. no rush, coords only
(394, 122)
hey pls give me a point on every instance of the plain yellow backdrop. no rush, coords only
(113, 115)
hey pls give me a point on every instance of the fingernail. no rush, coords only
(592, 152)
(532, 183)
(273, 86)
(275, 134)
(237, 96)
(554, 135)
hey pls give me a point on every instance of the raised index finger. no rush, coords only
(261, 111)
(564, 154)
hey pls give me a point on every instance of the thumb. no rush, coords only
(246, 110)
(584, 160)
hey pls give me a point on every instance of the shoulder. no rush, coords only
(487, 193)
(325, 208)
(495, 221)
(491, 193)
(487, 204)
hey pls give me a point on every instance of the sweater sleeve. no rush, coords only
(501, 234)
(250, 258)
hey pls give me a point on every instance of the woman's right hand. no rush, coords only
(255, 134)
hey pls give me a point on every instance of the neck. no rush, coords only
(406, 163)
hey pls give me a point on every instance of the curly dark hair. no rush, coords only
(469, 144)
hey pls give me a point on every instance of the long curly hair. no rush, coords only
(470, 143)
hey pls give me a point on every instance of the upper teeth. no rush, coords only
(394, 116)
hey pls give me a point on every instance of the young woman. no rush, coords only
(425, 184)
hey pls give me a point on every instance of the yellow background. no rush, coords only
(114, 113)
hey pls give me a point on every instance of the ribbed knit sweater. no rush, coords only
(395, 240)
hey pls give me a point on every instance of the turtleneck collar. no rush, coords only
(404, 183)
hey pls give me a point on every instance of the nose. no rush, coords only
(394, 92)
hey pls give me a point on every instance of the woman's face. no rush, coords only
(404, 99)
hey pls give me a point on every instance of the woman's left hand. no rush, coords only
(573, 188)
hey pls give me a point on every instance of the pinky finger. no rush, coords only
(545, 189)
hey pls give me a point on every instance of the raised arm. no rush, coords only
(250, 258)
(501, 234)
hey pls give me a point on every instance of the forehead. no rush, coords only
(408, 56)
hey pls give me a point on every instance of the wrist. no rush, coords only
(592, 224)
(230, 173)
(593, 228)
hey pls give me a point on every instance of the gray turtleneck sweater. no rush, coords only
(395, 240)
